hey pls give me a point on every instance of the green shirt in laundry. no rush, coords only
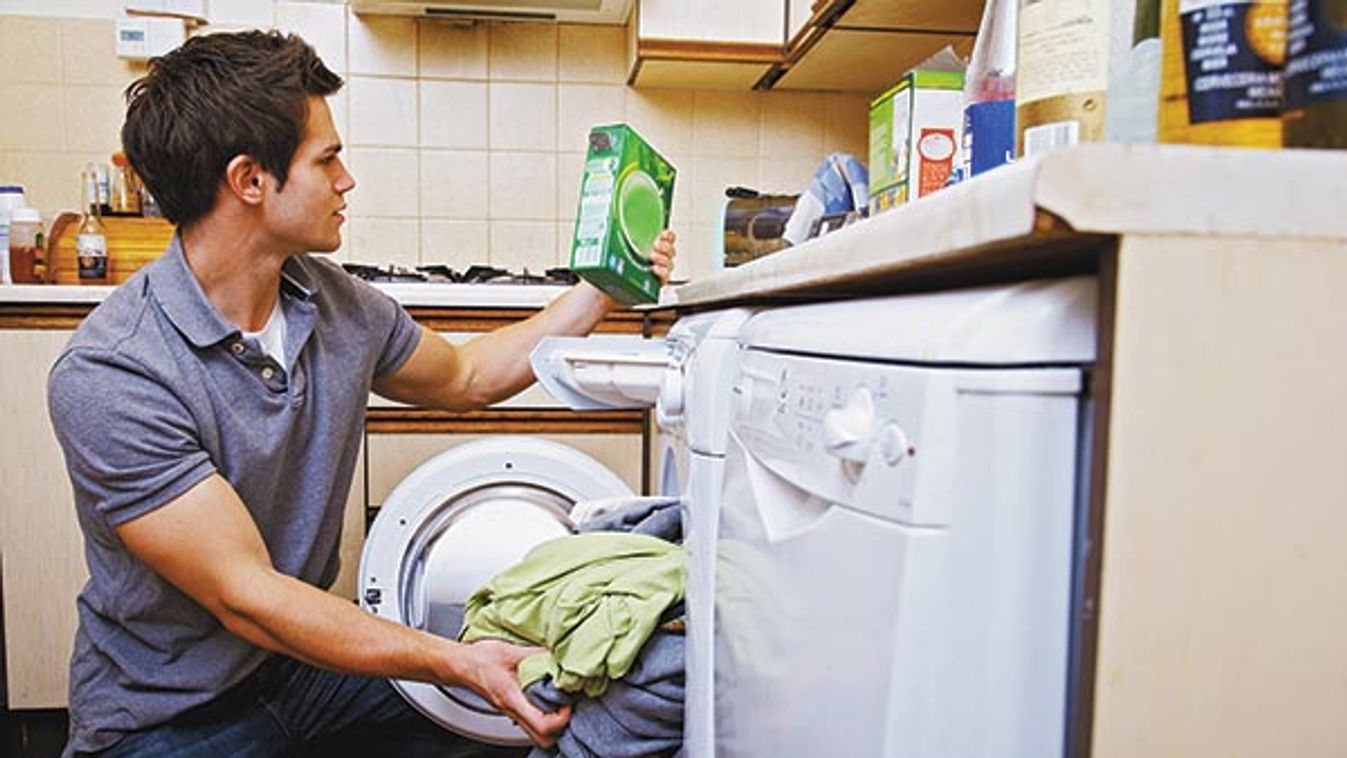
(591, 599)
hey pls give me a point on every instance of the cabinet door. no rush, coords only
(41, 553)
(760, 21)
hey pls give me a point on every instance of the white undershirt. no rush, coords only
(272, 336)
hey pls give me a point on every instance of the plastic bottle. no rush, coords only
(1134, 86)
(91, 242)
(125, 199)
(1315, 112)
(1222, 72)
(989, 92)
(11, 197)
(27, 247)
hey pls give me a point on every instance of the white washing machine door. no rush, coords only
(455, 522)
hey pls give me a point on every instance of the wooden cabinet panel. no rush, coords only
(40, 547)
(393, 456)
(760, 21)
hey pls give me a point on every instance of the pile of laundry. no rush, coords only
(608, 605)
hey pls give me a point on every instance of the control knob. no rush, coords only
(849, 431)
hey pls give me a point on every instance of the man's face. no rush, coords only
(306, 214)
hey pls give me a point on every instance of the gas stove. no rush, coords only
(441, 274)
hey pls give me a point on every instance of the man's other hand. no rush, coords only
(662, 256)
(492, 674)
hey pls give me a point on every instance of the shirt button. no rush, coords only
(237, 347)
(267, 373)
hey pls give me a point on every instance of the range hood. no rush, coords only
(564, 11)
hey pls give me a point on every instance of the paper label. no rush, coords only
(1232, 55)
(1316, 54)
(1063, 48)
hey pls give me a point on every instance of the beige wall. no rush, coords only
(466, 142)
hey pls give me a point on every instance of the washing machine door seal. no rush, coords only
(455, 522)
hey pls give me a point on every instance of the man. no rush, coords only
(210, 412)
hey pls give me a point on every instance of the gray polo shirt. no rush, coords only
(157, 391)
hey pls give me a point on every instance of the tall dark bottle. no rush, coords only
(1315, 85)
(91, 241)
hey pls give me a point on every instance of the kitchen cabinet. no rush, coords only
(1213, 582)
(701, 44)
(41, 550)
(865, 45)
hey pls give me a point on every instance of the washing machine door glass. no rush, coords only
(453, 524)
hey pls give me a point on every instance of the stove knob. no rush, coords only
(894, 445)
(849, 431)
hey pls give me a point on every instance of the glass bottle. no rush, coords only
(989, 92)
(1315, 112)
(91, 242)
(125, 199)
(1061, 73)
(1134, 87)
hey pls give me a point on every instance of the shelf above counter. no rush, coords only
(1048, 215)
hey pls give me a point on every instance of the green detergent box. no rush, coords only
(625, 198)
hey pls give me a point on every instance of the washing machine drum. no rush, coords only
(454, 523)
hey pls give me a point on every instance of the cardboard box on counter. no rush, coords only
(915, 132)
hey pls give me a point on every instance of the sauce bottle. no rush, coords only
(27, 247)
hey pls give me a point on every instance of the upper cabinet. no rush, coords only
(865, 45)
(705, 44)
(857, 46)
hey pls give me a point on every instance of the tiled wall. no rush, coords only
(466, 141)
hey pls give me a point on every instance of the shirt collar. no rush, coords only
(181, 298)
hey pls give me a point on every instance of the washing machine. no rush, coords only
(898, 556)
(474, 510)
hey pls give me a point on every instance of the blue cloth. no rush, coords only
(157, 391)
(292, 709)
(840, 184)
(641, 714)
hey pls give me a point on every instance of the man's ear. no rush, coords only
(244, 178)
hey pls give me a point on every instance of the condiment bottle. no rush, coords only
(91, 242)
(27, 247)
(11, 197)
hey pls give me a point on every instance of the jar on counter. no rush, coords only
(11, 197)
(27, 247)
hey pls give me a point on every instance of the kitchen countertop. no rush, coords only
(411, 295)
(1042, 215)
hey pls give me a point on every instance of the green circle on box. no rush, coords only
(640, 212)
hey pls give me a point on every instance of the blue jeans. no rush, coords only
(287, 708)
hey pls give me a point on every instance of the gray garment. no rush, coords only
(156, 392)
(640, 714)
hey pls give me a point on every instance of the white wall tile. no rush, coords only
(381, 45)
(848, 126)
(383, 241)
(787, 174)
(33, 120)
(594, 54)
(726, 123)
(712, 176)
(454, 114)
(340, 106)
(322, 25)
(523, 186)
(257, 14)
(516, 245)
(565, 239)
(454, 185)
(581, 107)
(30, 50)
(387, 182)
(793, 124)
(522, 52)
(523, 116)
(451, 50)
(94, 117)
(63, 8)
(570, 172)
(383, 111)
(663, 118)
(457, 244)
(89, 54)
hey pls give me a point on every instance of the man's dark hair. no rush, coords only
(218, 96)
